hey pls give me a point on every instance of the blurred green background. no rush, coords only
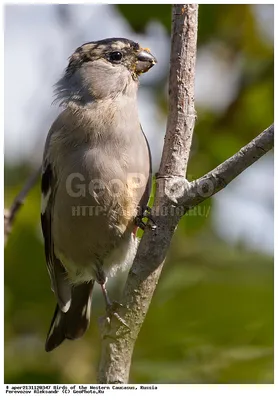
(211, 318)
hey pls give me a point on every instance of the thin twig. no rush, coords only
(9, 214)
(217, 179)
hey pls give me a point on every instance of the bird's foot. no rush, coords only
(111, 310)
(146, 213)
(112, 307)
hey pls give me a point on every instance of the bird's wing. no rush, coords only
(56, 270)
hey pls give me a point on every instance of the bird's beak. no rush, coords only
(145, 60)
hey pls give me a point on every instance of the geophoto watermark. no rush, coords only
(87, 211)
(78, 186)
(120, 193)
(98, 210)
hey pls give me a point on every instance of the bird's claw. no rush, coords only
(111, 310)
(145, 214)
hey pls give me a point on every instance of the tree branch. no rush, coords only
(118, 342)
(9, 214)
(181, 119)
(217, 179)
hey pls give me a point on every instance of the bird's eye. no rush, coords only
(115, 56)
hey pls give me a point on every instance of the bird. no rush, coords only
(96, 178)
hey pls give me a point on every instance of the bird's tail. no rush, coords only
(72, 324)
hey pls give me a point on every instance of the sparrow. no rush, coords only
(96, 178)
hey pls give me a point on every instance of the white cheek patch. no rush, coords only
(45, 200)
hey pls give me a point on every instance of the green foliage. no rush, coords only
(139, 15)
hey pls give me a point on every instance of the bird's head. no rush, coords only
(97, 70)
